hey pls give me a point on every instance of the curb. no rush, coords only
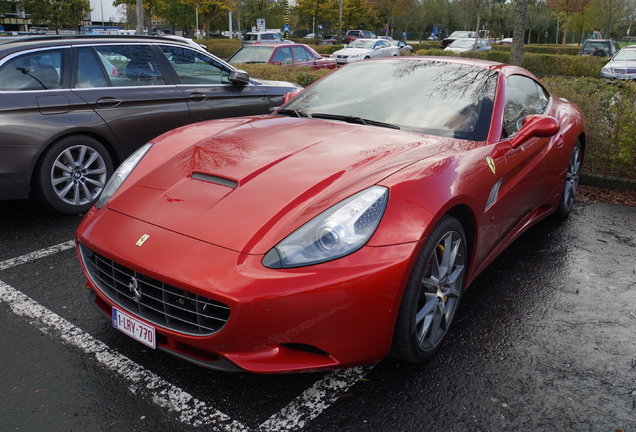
(609, 182)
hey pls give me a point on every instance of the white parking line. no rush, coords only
(37, 255)
(190, 410)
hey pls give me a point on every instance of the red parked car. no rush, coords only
(282, 54)
(341, 228)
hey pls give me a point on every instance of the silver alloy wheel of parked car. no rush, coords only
(571, 184)
(73, 174)
(433, 293)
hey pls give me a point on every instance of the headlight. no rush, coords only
(122, 174)
(336, 232)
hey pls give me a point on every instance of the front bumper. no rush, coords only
(331, 315)
(613, 75)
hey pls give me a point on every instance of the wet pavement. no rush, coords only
(544, 342)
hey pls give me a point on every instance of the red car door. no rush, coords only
(531, 177)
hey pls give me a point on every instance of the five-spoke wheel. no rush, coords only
(571, 185)
(433, 293)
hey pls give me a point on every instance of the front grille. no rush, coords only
(625, 71)
(153, 300)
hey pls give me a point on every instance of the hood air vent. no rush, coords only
(214, 179)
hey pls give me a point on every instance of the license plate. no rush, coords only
(134, 328)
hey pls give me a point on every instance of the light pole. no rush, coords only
(197, 20)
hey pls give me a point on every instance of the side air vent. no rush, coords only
(214, 179)
(494, 193)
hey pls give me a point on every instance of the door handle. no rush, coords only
(197, 97)
(108, 102)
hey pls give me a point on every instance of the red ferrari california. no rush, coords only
(340, 229)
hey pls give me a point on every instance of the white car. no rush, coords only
(362, 49)
(622, 65)
(186, 40)
(468, 44)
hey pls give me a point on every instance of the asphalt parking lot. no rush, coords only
(544, 342)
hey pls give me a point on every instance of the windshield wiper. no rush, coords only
(354, 119)
(292, 112)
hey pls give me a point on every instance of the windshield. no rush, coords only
(361, 43)
(432, 97)
(593, 45)
(252, 54)
(462, 34)
(625, 54)
(463, 43)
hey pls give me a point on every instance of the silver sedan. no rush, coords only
(362, 49)
(622, 65)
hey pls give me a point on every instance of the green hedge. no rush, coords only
(609, 107)
(542, 49)
(222, 48)
(538, 64)
(299, 75)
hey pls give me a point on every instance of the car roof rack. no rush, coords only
(90, 36)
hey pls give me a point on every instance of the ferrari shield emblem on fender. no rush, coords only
(142, 240)
(491, 164)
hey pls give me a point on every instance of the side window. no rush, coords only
(89, 70)
(194, 67)
(130, 65)
(302, 55)
(283, 56)
(523, 97)
(35, 71)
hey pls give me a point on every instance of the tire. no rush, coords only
(72, 174)
(571, 183)
(600, 53)
(432, 294)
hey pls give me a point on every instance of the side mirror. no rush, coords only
(239, 77)
(535, 126)
(289, 96)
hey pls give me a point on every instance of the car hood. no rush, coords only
(352, 51)
(279, 84)
(247, 186)
(617, 64)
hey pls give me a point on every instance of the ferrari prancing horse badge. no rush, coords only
(491, 164)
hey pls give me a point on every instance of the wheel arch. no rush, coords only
(464, 214)
(114, 155)
(583, 141)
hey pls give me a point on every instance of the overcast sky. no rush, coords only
(110, 13)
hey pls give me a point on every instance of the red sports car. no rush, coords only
(292, 54)
(341, 228)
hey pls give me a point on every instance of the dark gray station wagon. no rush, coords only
(72, 108)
